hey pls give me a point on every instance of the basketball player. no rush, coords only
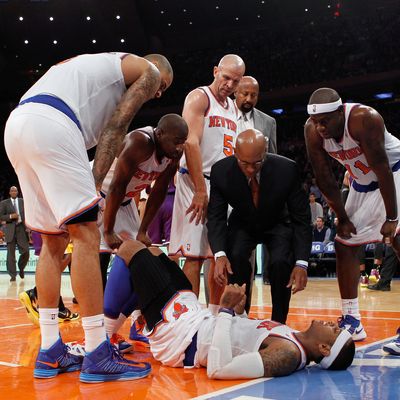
(86, 100)
(147, 154)
(356, 136)
(211, 116)
(182, 333)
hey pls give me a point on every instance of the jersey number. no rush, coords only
(359, 165)
(228, 145)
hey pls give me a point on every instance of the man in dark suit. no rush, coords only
(12, 212)
(268, 206)
(249, 117)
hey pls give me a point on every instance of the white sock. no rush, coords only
(95, 333)
(350, 307)
(109, 324)
(135, 315)
(214, 308)
(120, 321)
(48, 320)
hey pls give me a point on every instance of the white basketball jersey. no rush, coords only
(146, 173)
(91, 85)
(349, 153)
(219, 133)
(247, 336)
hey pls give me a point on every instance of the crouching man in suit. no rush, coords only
(268, 206)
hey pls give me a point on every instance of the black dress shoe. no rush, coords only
(13, 279)
(382, 287)
(22, 274)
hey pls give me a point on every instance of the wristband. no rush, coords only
(305, 267)
(392, 220)
(227, 310)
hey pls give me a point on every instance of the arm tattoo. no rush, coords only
(112, 136)
(279, 362)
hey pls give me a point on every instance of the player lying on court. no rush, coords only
(231, 346)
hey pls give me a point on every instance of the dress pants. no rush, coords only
(279, 244)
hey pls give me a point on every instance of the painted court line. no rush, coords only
(230, 389)
(14, 326)
(6, 364)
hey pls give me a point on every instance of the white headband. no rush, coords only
(340, 341)
(323, 108)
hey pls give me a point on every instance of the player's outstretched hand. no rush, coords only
(112, 239)
(198, 208)
(345, 229)
(233, 295)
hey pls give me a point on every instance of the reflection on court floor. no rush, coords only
(374, 375)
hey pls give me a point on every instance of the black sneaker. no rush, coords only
(29, 301)
(380, 286)
(67, 315)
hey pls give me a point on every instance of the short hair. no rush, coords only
(345, 357)
(161, 61)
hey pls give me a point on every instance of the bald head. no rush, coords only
(250, 151)
(232, 61)
(251, 141)
(171, 135)
(324, 95)
(246, 94)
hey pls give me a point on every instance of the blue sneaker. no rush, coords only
(136, 335)
(353, 326)
(56, 360)
(393, 347)
(121, 344)
(105, 363)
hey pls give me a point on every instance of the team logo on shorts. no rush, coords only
(268, 325)
(179, 309)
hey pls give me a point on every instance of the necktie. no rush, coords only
(245, 119)
(255, 190)
(13, 201)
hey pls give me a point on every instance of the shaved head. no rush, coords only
(250, 151)
(324, 95)
(232, 61)
(251, 141)
(171, 134)
(227, 76)
(173, 121)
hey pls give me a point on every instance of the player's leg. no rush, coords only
(348, 274)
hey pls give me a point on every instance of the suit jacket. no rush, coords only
(267, 125)
(7, 208)
(281, 200)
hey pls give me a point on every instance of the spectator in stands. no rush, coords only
(315, 190)
(316, 209)
(321, 233)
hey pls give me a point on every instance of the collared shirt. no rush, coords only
(245, 120)
(16, 206)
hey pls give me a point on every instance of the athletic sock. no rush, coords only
(214, 308)
(113, 325)
(350, 307)
(95, 333)
(48, 320)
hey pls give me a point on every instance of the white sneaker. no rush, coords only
(353, 326)
(393, 347)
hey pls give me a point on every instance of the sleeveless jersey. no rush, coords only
(147, 171)
(247, 336)
(219, 133)
(91, 85)
(349, 153)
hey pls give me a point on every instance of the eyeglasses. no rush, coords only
(246, 164)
